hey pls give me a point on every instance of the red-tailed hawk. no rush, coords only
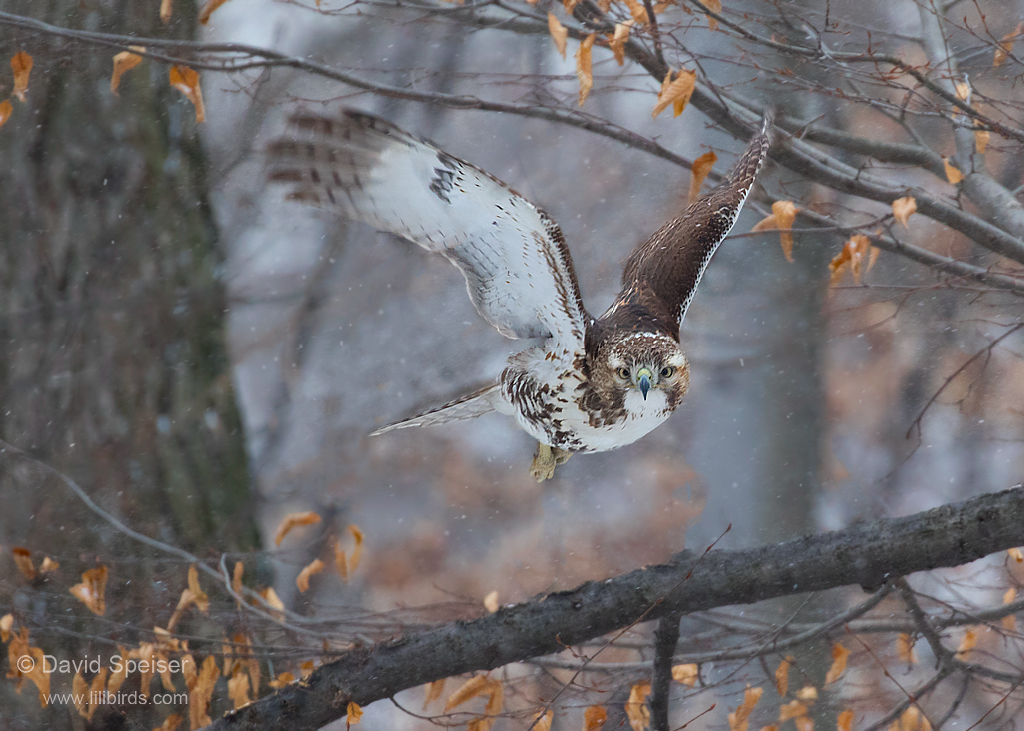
(593, 384)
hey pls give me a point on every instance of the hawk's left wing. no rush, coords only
(662, 274)
(517, 266)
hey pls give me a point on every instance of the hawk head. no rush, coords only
(640, 372)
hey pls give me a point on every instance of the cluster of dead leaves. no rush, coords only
(857, 255)
(345, 563)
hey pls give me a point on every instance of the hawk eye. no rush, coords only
(667, 371)
(624, 373)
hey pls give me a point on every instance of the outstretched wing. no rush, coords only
(662, 274)
(513, 255)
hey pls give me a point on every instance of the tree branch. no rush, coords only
(867, 554)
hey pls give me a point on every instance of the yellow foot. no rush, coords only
(545, 461)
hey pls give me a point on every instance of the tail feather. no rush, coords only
(468, 406)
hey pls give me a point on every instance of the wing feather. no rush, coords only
(662, 274)
(517, 266)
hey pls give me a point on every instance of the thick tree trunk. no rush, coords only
(113, 367)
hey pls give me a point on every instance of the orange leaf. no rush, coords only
(807, 693)
(584, 70)
(967, 643)
(1015, 554)
(910, 720)
(844, 721)
(981, 138)
(186, 81)
(91, 592)
(201, 693)
(6, 110)
(953, 175)
(638, 11)
(1006, 46)
(782, 217)
(793, 709)
(852, 256)
(238, 689)
(685, 674)
(48, 565)
(491, 602)
(23, 560)
(281, 681)
(354, 713)
(1010, 621)
(701, 167)
(637, 712)
(839, 655)
(477, 685)
(357, 552)
(166, 6)
(170, 723)
(804, 723)
(21, 65)
(6, 622)
(433, 692)
(236, 577)
(903, 209)
(594, 718)
(124, 61)
(716, 7)
(619, 38)
(542, 721)
(740, 718)
(559, 33)
(905, 648)
(782, 677)
(207, 10)
(294, 520)
(675, 93)
(313, 568)
(34, 670)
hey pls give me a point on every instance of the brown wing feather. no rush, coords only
(662, 274)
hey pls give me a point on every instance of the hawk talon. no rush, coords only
(545, 461)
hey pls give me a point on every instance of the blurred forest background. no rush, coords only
(205, 358)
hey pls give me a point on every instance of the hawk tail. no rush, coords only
(468, 406)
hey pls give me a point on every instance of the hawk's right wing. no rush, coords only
(517, 266)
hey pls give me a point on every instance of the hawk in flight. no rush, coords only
(592, 384)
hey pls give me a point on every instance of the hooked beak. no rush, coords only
(643, 380)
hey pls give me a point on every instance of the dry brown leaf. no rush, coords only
(48, 565)
(1006, 45)
(716, 7)
(594, 718)
(120, 675)
(903, 209)
(79, 695)
(782, 677)
(807, 693)
(1010, 621)
(675, 93)
(839, 656)
(1015, 554)
(238, 689)
(637, 712)
(19, 647)
(91, 692)
(772, 727)
(207, 10)
(491, 602)
(201, 600)
(905, 648)
(294, 520)
(782, 217)
(793, 709)
(638, 11)
(6, 622)
(701, 167)
(559, 33)
(306, 669)
(23, 560)
(844, 721)
(6, 110)
(953, 174)
(685, 674)
(584, 70)
(804, 723)
(201, 693)
(433, 692)
(473, 687)
(236, 580)
(357, 552)
(170, 723)
(739, 719)
(21, 65)
(851, 257)
(186, 81)
(981, 138)
(618, 41)
(910, 719)
(273, 601)
(311, 569)
(281, 681)
(124, 61)
(353, 713)
(166, 8)
(542, 721)
(92, 591)
(967, 644)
